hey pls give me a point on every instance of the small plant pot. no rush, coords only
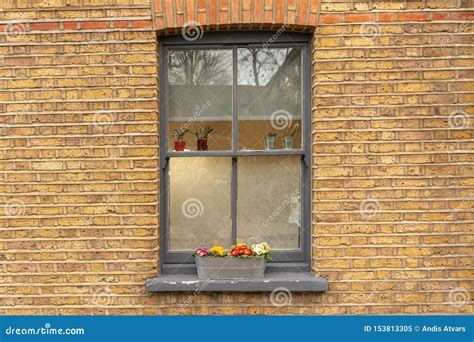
(288, 143)
(270, 142)
(209, 267)
(202, 144)
(179, 145)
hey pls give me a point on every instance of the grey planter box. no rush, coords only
(230, 267)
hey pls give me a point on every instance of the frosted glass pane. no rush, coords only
(268, 202)
(200, 202)
(200, 96)
(269, 98)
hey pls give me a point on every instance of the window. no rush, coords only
(235, 146)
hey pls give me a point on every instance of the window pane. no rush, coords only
(200, 202)
(269, 98)
(268, 204)
(200, 96)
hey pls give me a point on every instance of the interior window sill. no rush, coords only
(293, 281)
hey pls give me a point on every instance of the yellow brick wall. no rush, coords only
(392, 147)
(78, 149)
(393, 156)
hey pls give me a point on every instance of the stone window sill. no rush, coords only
(293, 281)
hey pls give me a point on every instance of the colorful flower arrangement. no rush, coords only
(260, 250)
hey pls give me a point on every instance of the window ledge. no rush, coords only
(293, 281)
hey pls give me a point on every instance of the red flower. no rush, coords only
(248, 252)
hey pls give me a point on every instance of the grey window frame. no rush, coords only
(283, 261)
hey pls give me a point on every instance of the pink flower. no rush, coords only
(201, 252)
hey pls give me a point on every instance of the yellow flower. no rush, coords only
(218, 250)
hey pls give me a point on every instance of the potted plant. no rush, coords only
(179, 143)
(289, 139)
(270, 141)
(202, 136)
(241, 262)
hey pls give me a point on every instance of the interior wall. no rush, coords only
(251, 134)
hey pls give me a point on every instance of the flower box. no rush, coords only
(241, 262)
(230, 268)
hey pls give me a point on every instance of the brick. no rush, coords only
(413, 16)
(120, 24)
(329, 19)
(94, 25)
(440, 16)
(414, 87)
(462, 15)
(141, 23)
(359, 18)
(70, 25)
(387, 16)
(44, 26)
